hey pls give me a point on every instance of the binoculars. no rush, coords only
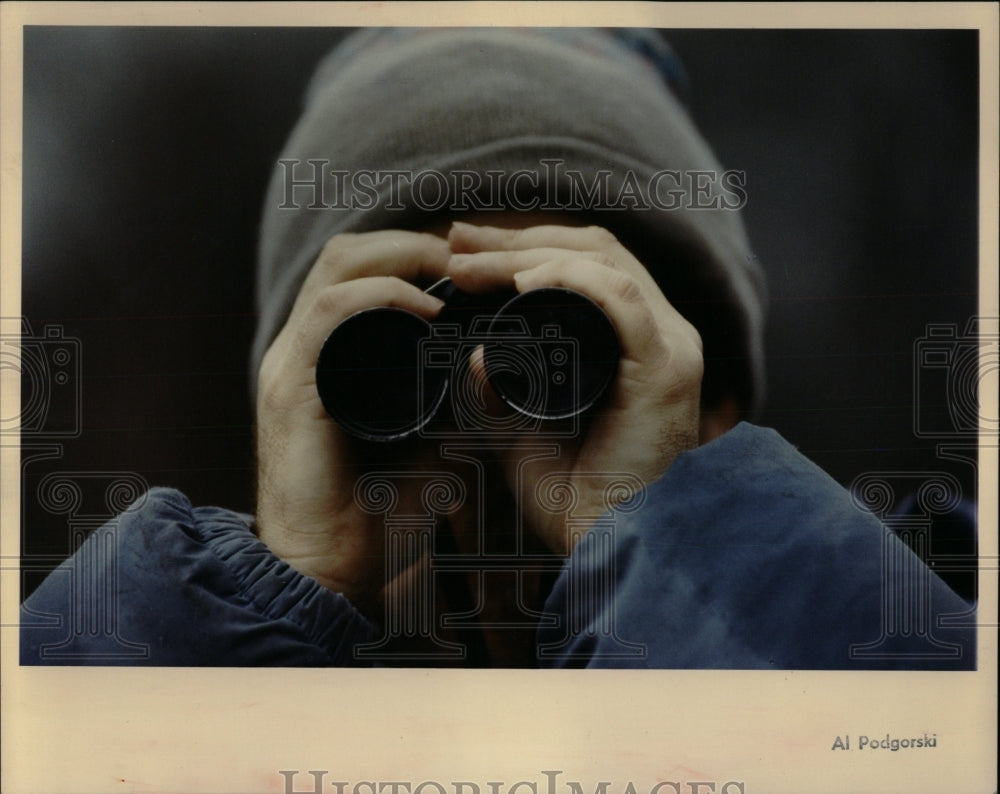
(549, 354)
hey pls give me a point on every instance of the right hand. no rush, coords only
(307, 467)
(652, 411)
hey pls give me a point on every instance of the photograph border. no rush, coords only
(505, 732)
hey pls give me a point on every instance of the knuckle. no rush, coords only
(622, 286)
(461, 267)
(695, 362)
(695, 337)
(673, 366)
(605, 258)
(602, 237)
(336, 257)
(330, 254)
(510, 239)
(686, 366)
(326, 299)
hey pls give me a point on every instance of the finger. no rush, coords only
(411, 256)
(639, 318)
(492, 270)
(468, 238)
(332, 305)
(497, 252)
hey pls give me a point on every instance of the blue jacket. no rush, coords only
(744, 555)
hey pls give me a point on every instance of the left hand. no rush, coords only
(651, 413)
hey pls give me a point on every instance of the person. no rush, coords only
(660, 529)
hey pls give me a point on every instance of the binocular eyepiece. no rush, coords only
(384, 373)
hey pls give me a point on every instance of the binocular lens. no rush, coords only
(369, 378)
(552, 354)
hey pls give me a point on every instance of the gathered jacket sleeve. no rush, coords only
(169, 584)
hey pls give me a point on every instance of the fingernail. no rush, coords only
(461, 226)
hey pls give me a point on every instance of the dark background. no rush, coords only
(146, 154)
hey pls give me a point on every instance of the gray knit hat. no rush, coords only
(402, 127)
